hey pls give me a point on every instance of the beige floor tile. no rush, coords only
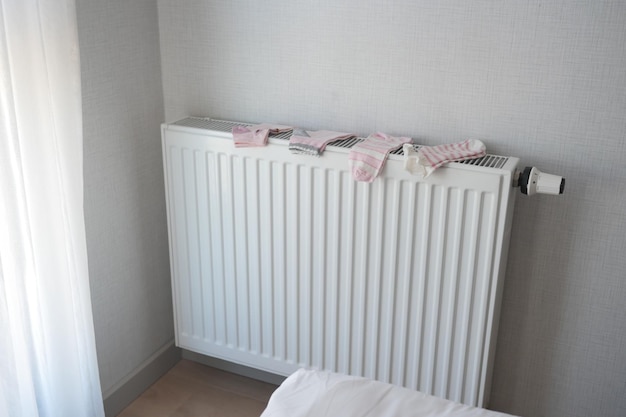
(193, 389)
(258, 390)
(128, 413)
(215, 402)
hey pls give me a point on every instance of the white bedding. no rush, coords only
(309, 393)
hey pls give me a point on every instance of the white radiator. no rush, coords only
(281, 261)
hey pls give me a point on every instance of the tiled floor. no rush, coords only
(191, 389)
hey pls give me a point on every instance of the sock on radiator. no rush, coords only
(367, 158)
(428, 158)
(314, 142)
(255, 135)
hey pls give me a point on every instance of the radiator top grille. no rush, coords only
(489, 161)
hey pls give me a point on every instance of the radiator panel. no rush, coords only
(281, 261)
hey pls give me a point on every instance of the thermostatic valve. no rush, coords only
(532, 181)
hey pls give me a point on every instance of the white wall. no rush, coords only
(544, 81)
(124, 195)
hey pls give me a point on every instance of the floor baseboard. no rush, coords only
(140, 379)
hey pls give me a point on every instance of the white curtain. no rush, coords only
(48, 363)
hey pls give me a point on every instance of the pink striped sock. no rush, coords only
(367, 158)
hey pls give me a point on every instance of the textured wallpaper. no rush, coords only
(124, 195)
(543, 81)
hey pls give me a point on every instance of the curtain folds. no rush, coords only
(48, 364)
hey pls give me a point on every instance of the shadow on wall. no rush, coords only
(539, 312)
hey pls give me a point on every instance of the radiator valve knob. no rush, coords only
(532, 181)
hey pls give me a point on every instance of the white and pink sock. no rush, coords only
(367, 158)
(427, 159)
(314, 142)
(255, 135)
